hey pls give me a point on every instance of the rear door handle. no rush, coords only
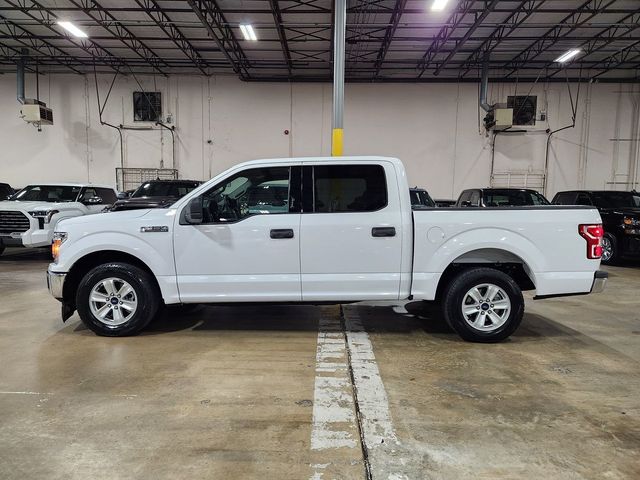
(281, 233)
(383, 232)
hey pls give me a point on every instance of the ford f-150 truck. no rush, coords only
(29, 217)
(336, 230)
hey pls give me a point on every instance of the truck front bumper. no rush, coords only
(55, 283)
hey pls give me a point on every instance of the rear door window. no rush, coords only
(349, 188)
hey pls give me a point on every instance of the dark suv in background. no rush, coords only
(156, 194)
(500, 197)
(620, 212)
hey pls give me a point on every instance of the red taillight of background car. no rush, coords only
(593, 235)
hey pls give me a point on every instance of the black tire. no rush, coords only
(456, 293)
(614, 250)
(146, 295)
(1, 249)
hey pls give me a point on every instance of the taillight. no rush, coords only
(593, 235)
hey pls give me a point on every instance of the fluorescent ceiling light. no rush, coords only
(73, 30)
(247, 31)
(567, 55)
(438, 5)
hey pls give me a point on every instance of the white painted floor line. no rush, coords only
(382, 447)
(26, 393)
(332, 402)
(334, 421)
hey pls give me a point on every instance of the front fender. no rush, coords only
(155, 250)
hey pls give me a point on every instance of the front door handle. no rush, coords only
(383, 232)
(281, 233)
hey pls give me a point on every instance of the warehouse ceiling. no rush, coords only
(386, 40)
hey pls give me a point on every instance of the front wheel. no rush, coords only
(117, 299)
(483, 305)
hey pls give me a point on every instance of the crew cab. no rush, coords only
(620, 212)
(500, 197)
(334, 230)
(29, 217)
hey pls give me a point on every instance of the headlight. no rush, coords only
(44, 214)
(58, 239)
(632, 222)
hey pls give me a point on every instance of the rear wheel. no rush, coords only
(117, 299)
(609, 249)
(483, 305)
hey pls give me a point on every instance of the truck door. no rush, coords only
(350, 232)
(248, 245)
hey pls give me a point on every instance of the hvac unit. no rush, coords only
(519, 113)
(36, 112)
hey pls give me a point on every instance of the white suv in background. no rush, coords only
(29, 218)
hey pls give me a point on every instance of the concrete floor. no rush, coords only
(268, 392)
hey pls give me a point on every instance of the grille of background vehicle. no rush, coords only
(130, 178)
(12, 222)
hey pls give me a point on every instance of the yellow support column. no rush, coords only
(337, 137)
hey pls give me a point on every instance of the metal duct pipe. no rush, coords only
(484, 83)
(20, 75)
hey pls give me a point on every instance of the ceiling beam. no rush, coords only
(282, 35)
(390, 33)
(27, 39)
(217, 26)
(106, 20)
(479, 19)
(568, 24)
(606, 37)
(631, 53)
(443, 35)
(46, 18)
(160, 18)
(520, 14)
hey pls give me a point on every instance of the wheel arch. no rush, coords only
(91, 260)
(498, 259)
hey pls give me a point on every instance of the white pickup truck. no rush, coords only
(29, 217)
(322, 230)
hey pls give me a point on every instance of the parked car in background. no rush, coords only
(322, 230)
(500, 197)
(5, 191)
(156, 194)
(620, 212)
(444, 203)
(29, 217)
(420, 198)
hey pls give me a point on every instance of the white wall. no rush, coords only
(433, 128)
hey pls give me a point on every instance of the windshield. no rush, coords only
(421, 197)
(513, 198)
(47, 193)
(616, 199)
(164, 189)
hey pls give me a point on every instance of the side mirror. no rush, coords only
(123, 195)
(93, 201)
(466, 204)
(194, 212)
